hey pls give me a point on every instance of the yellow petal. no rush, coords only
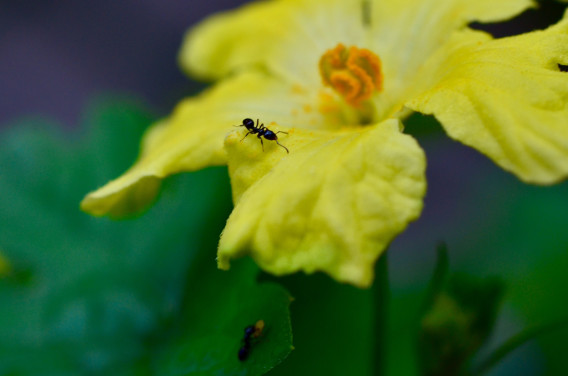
(192, 137)
(332, 204)
(288, 38)
(250, 160)
(506, 98)
(405, 33)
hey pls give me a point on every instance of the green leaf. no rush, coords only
(457, 323)
(222, 305)
(332, 328)
(440, 275)
(94, 296)
(540, 296)
(423, 126)
(517, 341)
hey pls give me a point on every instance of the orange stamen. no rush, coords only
(354, 73)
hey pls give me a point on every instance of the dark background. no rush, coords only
(56, 55)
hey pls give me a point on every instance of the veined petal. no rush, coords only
(192, 137)
(406, 33)
(507, 98)
(333, 204)
(288, 38)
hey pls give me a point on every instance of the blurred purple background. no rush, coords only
(56, 55)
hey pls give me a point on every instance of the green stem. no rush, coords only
(515, 342)
(381, 297)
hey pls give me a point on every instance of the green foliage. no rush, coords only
(220, 305)
(459, 317)
(422, 126)
(94, 296)
(332, 328)
(541, 296)
(142, 297)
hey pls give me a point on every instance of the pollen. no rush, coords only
(354, 73)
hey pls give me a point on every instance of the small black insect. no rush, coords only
(261, 131)
(244, 352)
(252, 333)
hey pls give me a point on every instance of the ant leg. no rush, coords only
(246, 136)
(282, 146)
(261, 143)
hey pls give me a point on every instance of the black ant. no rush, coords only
(261, 131)
(252, 332)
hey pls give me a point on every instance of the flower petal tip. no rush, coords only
(119, 198)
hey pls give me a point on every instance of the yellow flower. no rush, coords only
(339, 76)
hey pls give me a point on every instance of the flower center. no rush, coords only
(354, 73)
